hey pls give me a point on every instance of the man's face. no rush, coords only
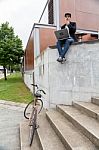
(67, 18)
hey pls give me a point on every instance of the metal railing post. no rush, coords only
(43, 11)
(57, 14)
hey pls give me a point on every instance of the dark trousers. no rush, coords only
(63, 48)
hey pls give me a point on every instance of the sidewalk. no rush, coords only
(1, 76)
(11, 114)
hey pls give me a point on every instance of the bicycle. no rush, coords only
(33, 108)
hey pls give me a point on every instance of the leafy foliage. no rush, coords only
(11, 49)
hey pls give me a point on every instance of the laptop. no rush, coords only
(62, 34)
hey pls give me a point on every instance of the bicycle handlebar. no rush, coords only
(35, 85)
(43, 91)
(37, 88)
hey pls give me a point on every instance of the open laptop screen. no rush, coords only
(62, 34)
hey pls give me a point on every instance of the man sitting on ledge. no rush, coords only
(65, 43)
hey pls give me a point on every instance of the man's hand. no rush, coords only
(67, 22)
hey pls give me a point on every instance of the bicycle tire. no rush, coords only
(27, 112)
(41, 105)
(26, 115)
(33, 126)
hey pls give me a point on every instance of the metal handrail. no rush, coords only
(44, 10)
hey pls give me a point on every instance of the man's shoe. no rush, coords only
(60, 59)
(64, 59)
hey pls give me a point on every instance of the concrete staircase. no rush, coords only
(73, 127)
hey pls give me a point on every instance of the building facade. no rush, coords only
(42, 36)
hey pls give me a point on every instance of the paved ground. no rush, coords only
(11, 114)
(1, 76)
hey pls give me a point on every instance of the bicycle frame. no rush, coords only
(34, 112)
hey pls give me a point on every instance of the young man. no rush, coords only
(63, 45)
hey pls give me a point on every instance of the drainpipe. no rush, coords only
(56, 4)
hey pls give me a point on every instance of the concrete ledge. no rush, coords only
(95, 100)
(78, 43)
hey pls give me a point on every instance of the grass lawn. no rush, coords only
(14, 89)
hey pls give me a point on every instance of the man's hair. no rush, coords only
(68, 14)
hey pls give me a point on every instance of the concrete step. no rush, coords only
(88, 125)
(24, 138)
(95, 100)
(47, 137)
(88, 108)
(70, 136)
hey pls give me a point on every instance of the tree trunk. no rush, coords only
(5, 72)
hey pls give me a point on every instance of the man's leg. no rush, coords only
(59, 47)
(66, 46)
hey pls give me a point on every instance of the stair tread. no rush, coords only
(95, 100)
(90, 106)
(24, 137)
(48, 137)
(88, 122)
(70, 132)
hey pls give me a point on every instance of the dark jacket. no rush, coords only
(72, 29)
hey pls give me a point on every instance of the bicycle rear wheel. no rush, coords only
(33, 125)
(39, 104)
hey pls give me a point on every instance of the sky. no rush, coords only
(21, 15)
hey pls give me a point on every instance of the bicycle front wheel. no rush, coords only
(28, 109)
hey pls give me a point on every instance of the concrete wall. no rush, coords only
(28, 79)
(42, 75)
(76, 79)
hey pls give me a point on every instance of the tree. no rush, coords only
(11, 49)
